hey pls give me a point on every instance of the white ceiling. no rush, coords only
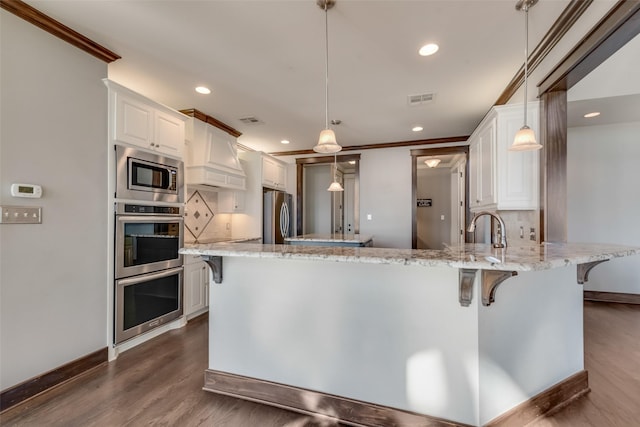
(266, 58)
(612, 89)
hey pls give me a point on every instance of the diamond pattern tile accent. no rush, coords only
(198, 215)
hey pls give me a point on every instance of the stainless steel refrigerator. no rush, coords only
(277, 223)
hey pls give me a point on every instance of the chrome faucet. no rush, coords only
(502, 232)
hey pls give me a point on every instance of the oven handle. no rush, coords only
(144, 218)
(150, 276)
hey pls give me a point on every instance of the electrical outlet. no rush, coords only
(532, 234)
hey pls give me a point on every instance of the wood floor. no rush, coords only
(159, 383)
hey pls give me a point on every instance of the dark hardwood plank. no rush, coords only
(612, 297)
(160, 383)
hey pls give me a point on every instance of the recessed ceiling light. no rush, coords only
(594, 114)
(428, 49)
(416, 128)
(203, 90)
(284, 141)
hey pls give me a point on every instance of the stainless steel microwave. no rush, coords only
(147, 176)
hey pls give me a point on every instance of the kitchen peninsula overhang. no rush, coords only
(495, 264)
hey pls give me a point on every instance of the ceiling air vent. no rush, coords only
(251, 120)
(420, 99)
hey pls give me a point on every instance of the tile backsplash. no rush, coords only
(202, 220)
(514, 220)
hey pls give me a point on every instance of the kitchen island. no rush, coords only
(375, 336)
(331, 239)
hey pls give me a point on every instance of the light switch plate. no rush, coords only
(21, 215)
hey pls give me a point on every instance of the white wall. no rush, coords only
(385, 194)
(53, 288)
(603, 198)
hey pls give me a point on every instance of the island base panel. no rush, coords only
(396, 335)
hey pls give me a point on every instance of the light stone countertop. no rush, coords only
(331, 237)
(473, 256)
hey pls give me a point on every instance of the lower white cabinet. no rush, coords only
(196, 286)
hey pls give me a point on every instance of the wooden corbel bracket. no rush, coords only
(465, 292)
(215, 264)
(584, 269)
(490, 281)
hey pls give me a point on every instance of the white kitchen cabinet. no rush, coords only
(274, 173)
(231, 201)
(500, 179)
(196, 286)
(482, 180)
(139, 121)
(211, 156)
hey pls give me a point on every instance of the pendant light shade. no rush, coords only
(327, 143)
(335, 185)
(525, 139)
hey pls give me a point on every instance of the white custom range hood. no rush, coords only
(211, 156)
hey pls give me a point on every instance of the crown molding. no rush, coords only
(50, 25)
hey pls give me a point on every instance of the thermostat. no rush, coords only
(26, 190)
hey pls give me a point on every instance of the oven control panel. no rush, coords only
(126, 208)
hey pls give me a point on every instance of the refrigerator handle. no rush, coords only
(284, 220)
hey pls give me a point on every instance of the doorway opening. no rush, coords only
(439, 196)
(320, 211)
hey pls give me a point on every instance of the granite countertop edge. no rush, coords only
(472, 256)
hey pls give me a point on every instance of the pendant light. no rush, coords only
(335, 185)
(327, 141)
(525, 139)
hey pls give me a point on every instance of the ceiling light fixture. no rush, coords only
(525, 139)
(335, 185)
(590, 115)
(327, 141)
(284, 141)
(428, 49)
(203, 90)
(432, 163)
(417, 128)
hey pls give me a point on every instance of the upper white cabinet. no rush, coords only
(231, 201)
(274, 173)
(211, 156)
(139, 121)
(500, 179)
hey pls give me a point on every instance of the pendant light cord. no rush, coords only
(526, 57)
(326, 83)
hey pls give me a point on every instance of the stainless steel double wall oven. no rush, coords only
(149, 231)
